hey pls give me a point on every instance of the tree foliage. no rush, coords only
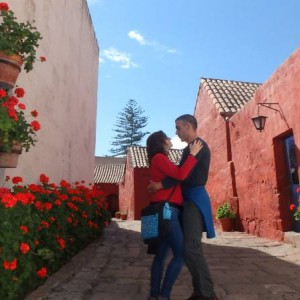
(128, 128)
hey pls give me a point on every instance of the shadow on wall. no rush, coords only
(113, 204)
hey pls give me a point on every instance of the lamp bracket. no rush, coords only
(268, 105)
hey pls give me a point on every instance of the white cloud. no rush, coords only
(173, 51)
(177, 143)
(135, 35)
(122, 58)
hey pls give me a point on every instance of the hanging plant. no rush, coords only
(20, 38)
(15, 128)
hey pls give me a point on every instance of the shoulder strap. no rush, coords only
(172, 192)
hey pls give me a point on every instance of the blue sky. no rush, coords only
(156, 51)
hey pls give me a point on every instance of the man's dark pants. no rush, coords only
(194, 258)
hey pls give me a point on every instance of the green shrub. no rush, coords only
(225, 211)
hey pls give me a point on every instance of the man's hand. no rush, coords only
(154, 186)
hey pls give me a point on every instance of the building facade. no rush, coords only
(63, 90)
(257, 171)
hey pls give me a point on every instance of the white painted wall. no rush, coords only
(63, 90)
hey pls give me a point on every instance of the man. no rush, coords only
(197, 213)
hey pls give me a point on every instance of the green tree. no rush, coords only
(128, 127)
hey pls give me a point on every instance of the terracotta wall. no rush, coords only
(133, 194)
(262, 182)
(126, 191)
(141, 195)
(63, 90)
(248, 167)
(212, 128)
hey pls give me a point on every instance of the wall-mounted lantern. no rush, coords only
(260, 121)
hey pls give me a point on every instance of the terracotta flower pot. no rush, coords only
(227, 224)
(123, 217)
(10, 67)
(10, 159)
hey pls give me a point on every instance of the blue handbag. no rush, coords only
(155, 220)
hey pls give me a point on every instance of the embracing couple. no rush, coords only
(184, 186)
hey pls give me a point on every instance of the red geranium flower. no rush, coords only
(4, 6)
(52, 219)
(292, 206)
(2, 92)
(38, 205)
(35, 125)
(10, 265)
(44, 224)
(61, 242)
(9, 200)
(24, 229)
(48, 205)
(42, 272)
(57, 202)
(24, 248)
(22, 106)
(43, 58)
(44, 178)
(25, 198)
(17, 179)
(19, 92)
(34, 113)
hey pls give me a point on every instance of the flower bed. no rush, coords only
(41, 227)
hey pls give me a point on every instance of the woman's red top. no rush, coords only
(161, 167)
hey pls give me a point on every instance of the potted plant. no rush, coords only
(16, 132)
(18, 44)
(226, 215)
(117, 214)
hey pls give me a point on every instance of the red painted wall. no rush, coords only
(141, 195)
(126, 191)
(109, 188)
(212, 128)
(133, 193)
(261, 175)
(255, 177)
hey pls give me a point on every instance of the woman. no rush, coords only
(158, 146)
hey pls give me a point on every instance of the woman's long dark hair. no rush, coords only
(156, 144)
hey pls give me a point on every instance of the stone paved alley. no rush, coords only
(116, 266)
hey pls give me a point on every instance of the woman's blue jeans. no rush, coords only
(173, 241)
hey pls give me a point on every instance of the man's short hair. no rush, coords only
(189, 119)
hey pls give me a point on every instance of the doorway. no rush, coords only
(292, 165)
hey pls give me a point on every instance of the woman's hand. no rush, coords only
(195, 147)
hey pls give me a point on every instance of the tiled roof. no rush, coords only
(109, 173)
(229, 96)
(109, 160)
(139, 159)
